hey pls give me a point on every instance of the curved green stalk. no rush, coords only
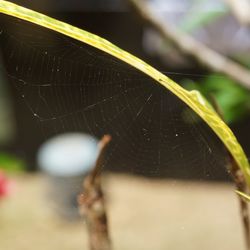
(192, 98)
(243, 195)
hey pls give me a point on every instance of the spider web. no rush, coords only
(70, 86)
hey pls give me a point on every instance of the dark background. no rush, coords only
(114, 21)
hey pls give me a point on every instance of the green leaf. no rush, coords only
(232, 99)
(11, 163)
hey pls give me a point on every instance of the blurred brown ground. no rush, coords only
(144, 215)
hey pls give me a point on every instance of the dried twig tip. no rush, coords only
(104, 141)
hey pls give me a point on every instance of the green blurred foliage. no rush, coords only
(232, 99)
(11, 163)
(193, 22)
(194, 19)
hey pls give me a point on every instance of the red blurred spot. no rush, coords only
(5, 185)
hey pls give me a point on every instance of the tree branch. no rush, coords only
(92, 204)
(241, 10)
(189, 46)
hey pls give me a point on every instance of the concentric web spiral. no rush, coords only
(70, 86)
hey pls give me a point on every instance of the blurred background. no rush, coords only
(186, 199)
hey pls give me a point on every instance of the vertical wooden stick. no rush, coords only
(92, 204)
(239, 182)
(241, 185)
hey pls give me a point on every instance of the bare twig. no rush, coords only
(241, 186)
(188, 45)
(241, 10)
(92, 204)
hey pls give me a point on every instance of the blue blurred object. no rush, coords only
(66, 159)
(68, 154)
